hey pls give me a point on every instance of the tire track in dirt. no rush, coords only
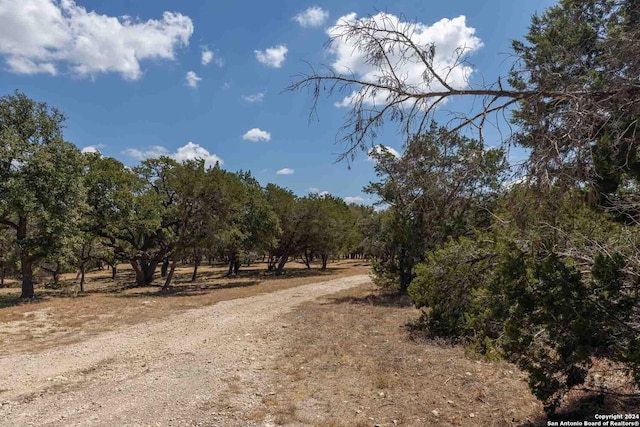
(205, 366)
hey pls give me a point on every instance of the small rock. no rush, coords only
(381, 394)
(394, 421)
(358, 411)
(468, 374)
(435, 413)
(472, 415)
(450, 402)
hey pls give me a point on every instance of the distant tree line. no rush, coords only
(62, 210)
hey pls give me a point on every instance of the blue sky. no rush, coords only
(202, 78)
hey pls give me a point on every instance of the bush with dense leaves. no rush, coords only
(550, 301)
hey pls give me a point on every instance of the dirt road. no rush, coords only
(206, 366)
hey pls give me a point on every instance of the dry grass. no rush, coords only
(609, 389)
(57, 317)
(350, 361)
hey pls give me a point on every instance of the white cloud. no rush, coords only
(257, 97)
(192, 79)
(448, 36)
(20, 65)
(353, 199)
(315, 190)
(90, 149)
(207, 56)
(273, 56)
(256, 135)
(193, 151)
(378, 149)
(285, 171)
(312, 17)
(150, 153)
(45, 36)
(190, 151)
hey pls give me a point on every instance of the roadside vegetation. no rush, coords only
(536, 262)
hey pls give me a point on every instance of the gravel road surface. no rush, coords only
(207, 366)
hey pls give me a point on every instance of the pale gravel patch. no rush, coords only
(206, 366)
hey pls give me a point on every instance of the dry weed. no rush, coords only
(361, 367)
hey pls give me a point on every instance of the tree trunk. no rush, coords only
(150, 270)
(281, 264)
(26, 261)
(2, 274)
(139, 273)
(146, 269)
(167, 282)
(405, 273)
(405, 280)
(196, 263)
(195, 271)
(233, 258)
(82, 268)
(236, 266)
(26, 264)
(114, 272)
(325, 258)
(271, 263)
(56, 275)
(164, 268)
(307, 259)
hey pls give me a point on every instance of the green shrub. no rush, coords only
(536, 308)
(448, 283)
